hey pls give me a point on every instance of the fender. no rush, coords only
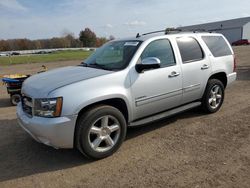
(103, 98)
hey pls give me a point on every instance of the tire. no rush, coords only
(15, 98)
(213, 96)
(100, 131)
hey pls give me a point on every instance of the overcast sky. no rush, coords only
(121, 18)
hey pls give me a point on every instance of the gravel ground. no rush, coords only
(188, 150)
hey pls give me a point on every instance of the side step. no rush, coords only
(165, 114)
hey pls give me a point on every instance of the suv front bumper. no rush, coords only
(55, 132)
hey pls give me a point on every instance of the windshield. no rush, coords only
(114, 55)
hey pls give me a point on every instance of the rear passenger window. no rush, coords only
(217, 45)
(190, 49)
(161, 49)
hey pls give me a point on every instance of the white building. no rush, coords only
(233, 30)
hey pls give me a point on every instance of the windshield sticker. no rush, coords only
(131, 43)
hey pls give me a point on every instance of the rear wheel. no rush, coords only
(15, 98)
(100, 131)
(213, 96)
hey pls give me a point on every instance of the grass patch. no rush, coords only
(43, 58)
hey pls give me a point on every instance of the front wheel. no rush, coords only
(100, 131)
(213, 96)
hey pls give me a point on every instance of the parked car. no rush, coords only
(127, 82)
(15, 53)
(241, 42)
(3, 54)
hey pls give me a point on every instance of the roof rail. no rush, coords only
(172, 29)
(153, 32)
(169, 30)
(199, 30)
(166, 31)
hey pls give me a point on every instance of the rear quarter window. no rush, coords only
(217, 45)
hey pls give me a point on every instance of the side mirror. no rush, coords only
(148, 63)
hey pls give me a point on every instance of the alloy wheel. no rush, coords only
(215, 96)
(104, 133)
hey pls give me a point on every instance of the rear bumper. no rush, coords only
(55, 132)
(231, 77)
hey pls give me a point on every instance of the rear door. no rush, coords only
(196, 68)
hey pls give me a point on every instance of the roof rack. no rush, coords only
(153, 32)
(166, 31)
(199, 30)
(169, 30)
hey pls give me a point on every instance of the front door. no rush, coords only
(159, 89)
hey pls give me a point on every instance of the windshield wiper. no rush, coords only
(83, 64)
(94, 65)
(99, 66)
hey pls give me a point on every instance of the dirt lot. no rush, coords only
(188, 150)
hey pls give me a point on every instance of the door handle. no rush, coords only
(205, 66)
(173, 74)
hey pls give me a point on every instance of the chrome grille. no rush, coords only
(27, 105)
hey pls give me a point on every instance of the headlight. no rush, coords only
(48, 107)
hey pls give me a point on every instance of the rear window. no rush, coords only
(190, 49)
(217, 45)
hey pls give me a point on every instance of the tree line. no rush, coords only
(87, 38)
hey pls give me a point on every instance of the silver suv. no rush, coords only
(124, 83)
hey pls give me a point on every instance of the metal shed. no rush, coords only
(233, 30)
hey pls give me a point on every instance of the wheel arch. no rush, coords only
(222, 76)
(118, 103)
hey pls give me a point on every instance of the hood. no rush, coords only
(40, 85)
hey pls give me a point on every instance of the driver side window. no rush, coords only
(162, 50)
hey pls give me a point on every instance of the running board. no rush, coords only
(164, 114)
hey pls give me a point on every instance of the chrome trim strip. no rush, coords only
(159, 95)
(190, 86)
(145, 100)
(157, 99)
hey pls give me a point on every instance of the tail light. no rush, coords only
(234, 69)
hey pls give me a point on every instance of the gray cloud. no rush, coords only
(108, 26)
(135, 23)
